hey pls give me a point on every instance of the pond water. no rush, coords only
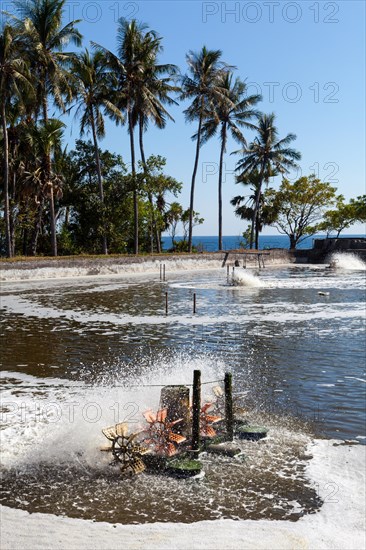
(82, 354)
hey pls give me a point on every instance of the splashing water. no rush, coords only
(346, 260)
(245, 278)
(52, 463)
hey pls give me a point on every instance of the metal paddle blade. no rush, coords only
(209, 432)
(121, 429)
(218, 391)
(137, 466)
(212, 419)
(110, 433)
(205, 407)
(149, 416)
(161, 415)
(177, 438)
(170, 449)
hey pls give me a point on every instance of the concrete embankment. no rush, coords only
(80, 266)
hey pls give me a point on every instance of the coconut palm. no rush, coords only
(128, 66)
(141, 87)
(268, 155)
(45, 36)
(14, 80)
(92, 87)
(153, 92)
(45, 141)
(201, 86)
(245, 206)
(233, 111)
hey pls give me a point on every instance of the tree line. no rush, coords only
(86, 200)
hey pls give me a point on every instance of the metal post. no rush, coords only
(229, 406)
(166, 303)
(228, 273)
(161, 271)
(194, 303)
(196, 412)
(164, 272)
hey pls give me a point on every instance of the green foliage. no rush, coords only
(344, 215)
(247, 238)
(266, 156)
(299, 206)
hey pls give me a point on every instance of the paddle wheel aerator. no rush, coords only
(160, 436)
(124, 448)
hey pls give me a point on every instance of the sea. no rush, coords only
(210, 243)
(84, 353)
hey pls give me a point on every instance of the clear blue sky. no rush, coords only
(307, 58)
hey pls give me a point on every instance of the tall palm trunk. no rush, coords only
(8, 242)
(48, 180)
(223, 147)
(100, 180)
(256, 208)
(252, 229)
(37, 227)
(191, 203)
(135, 196)
(154, 231)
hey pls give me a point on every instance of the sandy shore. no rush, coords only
(338, 472)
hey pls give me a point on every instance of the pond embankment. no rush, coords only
(83, 266)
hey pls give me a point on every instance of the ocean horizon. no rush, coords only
(209, 243)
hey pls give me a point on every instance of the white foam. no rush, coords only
(346, 260)
(337, 472)
(246, 279)
(107, 269)
(40, 414)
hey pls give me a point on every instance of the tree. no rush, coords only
(232, 112)
(172, 218)
(268, 155)
(245, 206)
(45, 38)
(155, 184)
(92, 85)
(201, 86)
(45, 140)
(344, 215)
(137, 83)
(84, 223)
(300, 206)
(14, 76)
(190, 219)
(153, 92)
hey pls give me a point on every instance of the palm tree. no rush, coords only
(152, 94)
(201, 85)
(45, 37)
(245, 205)
(268, 155)
(233, 112)
(14, 79)
(45, 141)
(92, 88)
(141, 88)
(128, 66)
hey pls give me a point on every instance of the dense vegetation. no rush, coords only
(56, 201)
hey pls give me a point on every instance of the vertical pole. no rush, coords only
(194, 303)
(161, 273)
(166, 303)
(228, 273)
(196, 412)
(229, 406)
(164, 272)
